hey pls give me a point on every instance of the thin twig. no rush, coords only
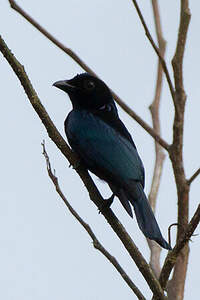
(165, 69)
(169, 232)
(155, 249)
(96, 243)
(94, 194)
(81, 63)
(193, 177)
(171, 258)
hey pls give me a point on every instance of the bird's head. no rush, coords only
(86, 91)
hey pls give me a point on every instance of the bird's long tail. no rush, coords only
(144, 214)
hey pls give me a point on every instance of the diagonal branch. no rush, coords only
(87, 180)
(81, 63)
(171, 258)
(96, 243)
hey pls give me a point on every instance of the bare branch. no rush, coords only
(164, 66)
(144, 125)
(155, 249)
(87, 180)
(96, 243)
(177, 61)
(172, 256)
(193, 177)
(81, 63)
(177, 283)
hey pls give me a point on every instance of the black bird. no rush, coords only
(105, 146)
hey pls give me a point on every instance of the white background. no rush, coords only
(44, 252)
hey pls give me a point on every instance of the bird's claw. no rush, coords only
(76, 165)
(106, 203)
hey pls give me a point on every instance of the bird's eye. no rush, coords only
(89, 85)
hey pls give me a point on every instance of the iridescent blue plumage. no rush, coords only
(98, 136)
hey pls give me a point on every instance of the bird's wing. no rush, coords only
(103, 149)
(108, 113)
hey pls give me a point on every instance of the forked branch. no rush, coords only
(177, 283)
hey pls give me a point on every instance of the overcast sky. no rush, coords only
(44, 252)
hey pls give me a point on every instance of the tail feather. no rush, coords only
(144, 214)
(124, 201)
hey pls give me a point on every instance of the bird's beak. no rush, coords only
(64, 85)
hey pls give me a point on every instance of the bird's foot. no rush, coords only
(106, 203)
(76, 165)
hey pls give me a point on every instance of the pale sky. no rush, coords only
(44, 252)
